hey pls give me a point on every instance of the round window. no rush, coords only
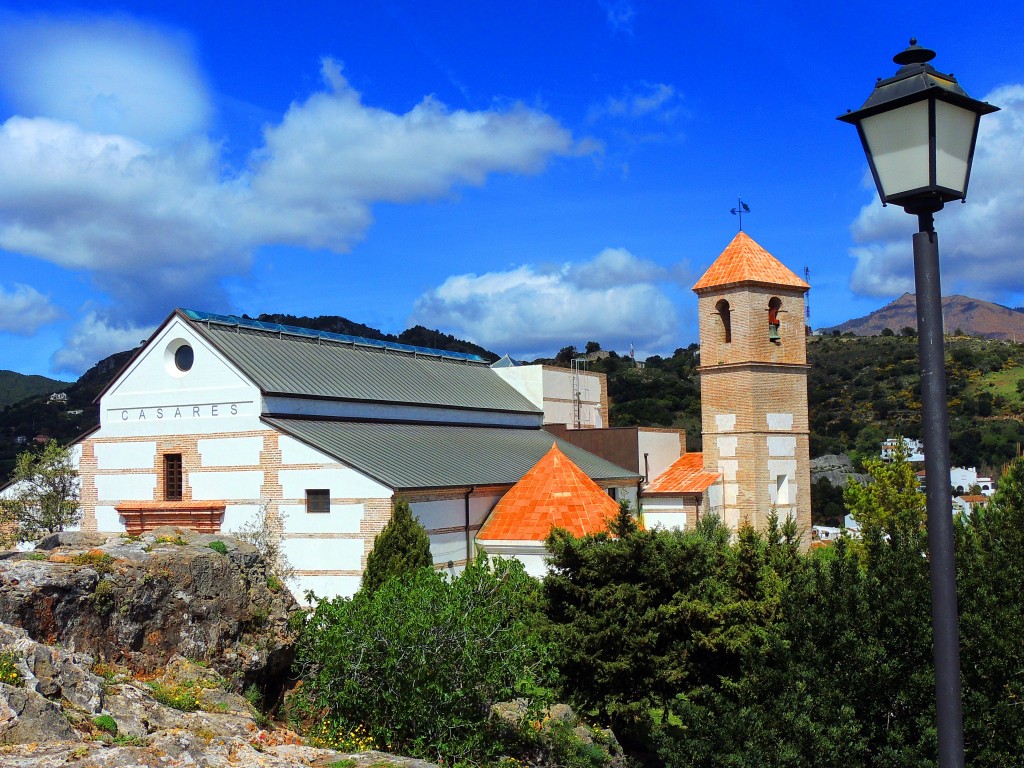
(184, 357)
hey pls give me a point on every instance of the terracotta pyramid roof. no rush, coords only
(744, 261)
(686, 475)
(554, 493)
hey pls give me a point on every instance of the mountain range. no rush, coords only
(970, 317)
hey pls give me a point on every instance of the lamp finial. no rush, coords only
(914, 54)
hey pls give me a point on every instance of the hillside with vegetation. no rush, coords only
(17, 386)
(860, 391)
(961, 314)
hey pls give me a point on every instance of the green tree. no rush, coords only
(891, 496)
(990, 581)
(43, 494)
(402, 547)
(420, 661)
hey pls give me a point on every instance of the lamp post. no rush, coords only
(919, 129)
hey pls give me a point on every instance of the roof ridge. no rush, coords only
(342, 339)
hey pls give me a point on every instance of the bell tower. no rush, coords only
(753, 386)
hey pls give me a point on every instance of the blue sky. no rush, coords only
(525, 175)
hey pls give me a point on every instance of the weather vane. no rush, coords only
(739, 209)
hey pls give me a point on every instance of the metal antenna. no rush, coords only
(739, 210)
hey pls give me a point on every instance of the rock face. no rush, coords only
(60, 712)
(139, 601)
(837, 469)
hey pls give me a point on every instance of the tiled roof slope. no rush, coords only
(408, 456)
(554, 493)
(281, 364)
(686, 475)
(744, 261)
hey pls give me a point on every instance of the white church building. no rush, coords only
(218, 418)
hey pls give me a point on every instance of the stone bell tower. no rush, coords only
(753, 386)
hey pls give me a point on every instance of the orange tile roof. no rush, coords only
(554, 493)
(686, 475)
(744, 261)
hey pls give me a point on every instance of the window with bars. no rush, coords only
(318, 500)
(173, 477)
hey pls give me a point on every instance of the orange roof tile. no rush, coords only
(686, 475)
(744, 261)
(554, 493)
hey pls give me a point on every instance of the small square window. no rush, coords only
(318, 501)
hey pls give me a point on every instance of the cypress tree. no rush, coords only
(402, 547)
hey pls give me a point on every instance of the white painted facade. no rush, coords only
(579, 400)
(237, 468)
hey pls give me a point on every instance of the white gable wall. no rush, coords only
(152, 397)
(210, 415)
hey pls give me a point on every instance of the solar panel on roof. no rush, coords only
(293, 330)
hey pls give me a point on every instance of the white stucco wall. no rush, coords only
(662, 450)
(153, 397)
(528, 380)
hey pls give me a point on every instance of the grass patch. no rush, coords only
(101, 562)
(9, 672)
(105, 723)
(218, 546)
(183, 697)
(129, 740)
(1002, 382)
(37, 556)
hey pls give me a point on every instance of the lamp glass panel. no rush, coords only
(898, 143)
(954, 129)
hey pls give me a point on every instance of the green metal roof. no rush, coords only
(407, 456)
(308, 366)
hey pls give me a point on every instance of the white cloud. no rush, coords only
(529, 313)
(151, 227)
(94, 338)
(615, 267)
(140, 201)
(24, 310)
(105, 75)
(655, 101)
(619, 14)
(980, 243)
(332, 157)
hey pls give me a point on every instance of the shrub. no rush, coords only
(103, 597)
(218, 546)
(106, 723)
(419, 662)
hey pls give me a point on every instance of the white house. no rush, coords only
(912, 449)
(218, 417)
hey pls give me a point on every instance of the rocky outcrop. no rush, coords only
(139, 601)
(59, 707)
(837, 469)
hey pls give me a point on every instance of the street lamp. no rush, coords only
(918, 129)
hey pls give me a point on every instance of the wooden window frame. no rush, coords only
(318, 501)
(174, 477)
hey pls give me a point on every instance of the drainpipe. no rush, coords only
(469, 537)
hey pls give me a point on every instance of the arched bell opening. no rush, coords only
(774, 308)
(725, 313)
